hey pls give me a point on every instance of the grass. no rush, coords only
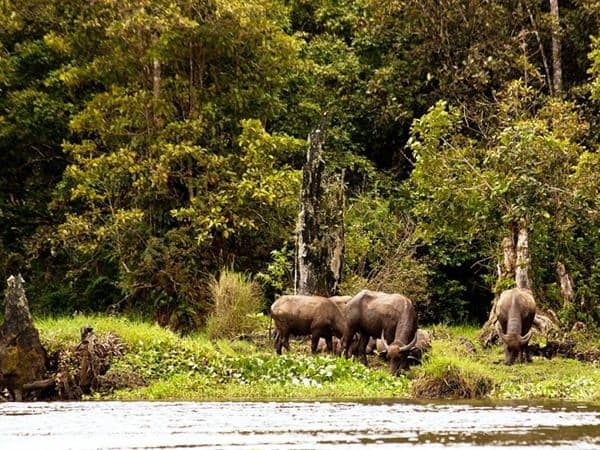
(557, 378)
(195, 368)
(237, 301)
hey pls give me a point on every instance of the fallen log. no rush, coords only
(40, 384)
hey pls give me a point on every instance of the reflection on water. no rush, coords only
(294, 425)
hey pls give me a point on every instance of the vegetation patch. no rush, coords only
(237, 302)
(445, 377)
(160, 365)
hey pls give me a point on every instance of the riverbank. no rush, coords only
(160, 365)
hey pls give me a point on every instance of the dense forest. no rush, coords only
(146, 145)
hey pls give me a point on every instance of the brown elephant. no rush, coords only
(302, 315)
(391, 317)
(515, 310)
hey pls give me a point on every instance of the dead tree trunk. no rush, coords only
(515, 265)
(506, 271)
(556, 48)
(310, 261)
(320, 231)
(22, 357)
(156, 78)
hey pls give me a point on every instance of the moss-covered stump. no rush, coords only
(22, 357)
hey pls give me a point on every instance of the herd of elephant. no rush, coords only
(391, 319)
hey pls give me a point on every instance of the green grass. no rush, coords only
(194, 368)
(557, 378)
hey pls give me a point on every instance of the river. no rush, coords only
(296, 425)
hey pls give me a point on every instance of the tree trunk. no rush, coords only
(556, 63)
(523, 265)
(156, 77)
(320, 232)
(541, 48)
(515, 265)
(310, 259)
(506, 271)
(22, 357)
(566, 284)
(336, 242)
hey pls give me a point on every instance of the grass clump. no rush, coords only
(237, 302)
(445, 377)
(451, 369)
(63, 332)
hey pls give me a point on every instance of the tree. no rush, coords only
(470, 195)
(171, 180)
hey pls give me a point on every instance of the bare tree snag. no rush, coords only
(566, 284)
(556, 48)
(320, 230)
(516, 264)
(22, 357)
(81, 368)
(309, 256)
(523, 265)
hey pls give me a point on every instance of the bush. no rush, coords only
(237, 302)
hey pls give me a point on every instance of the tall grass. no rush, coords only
(237, 301)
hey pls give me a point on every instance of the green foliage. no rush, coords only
(145, 144)
(236, 305)
(278, 278)
(468, 194)
(380, 250)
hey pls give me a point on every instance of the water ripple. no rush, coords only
(294, 425)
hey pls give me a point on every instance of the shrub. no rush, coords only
(236, 304)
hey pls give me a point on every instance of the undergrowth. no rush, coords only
(161, 365)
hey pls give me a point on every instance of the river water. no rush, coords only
(295, 425)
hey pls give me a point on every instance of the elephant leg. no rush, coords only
(286, 342)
